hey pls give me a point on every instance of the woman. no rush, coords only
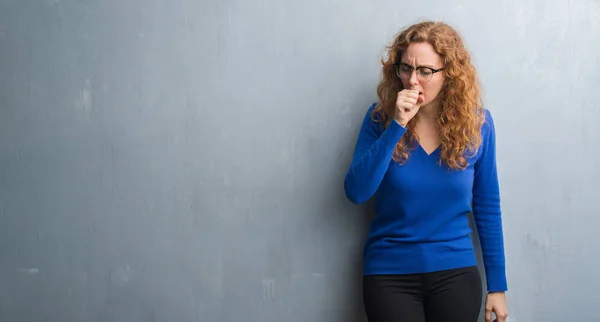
(426, 151)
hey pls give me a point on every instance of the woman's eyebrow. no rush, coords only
(425, 65)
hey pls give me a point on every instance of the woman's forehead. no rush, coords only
(421, 54)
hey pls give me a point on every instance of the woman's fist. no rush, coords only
(407, 106)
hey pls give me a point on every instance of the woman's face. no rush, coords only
(417, 71)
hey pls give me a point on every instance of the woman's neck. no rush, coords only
(428, 113)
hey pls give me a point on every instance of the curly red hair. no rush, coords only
(461, 113)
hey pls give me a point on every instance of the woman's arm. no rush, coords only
(372, 155)
(486, 210)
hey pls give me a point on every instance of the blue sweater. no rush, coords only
(421, 207)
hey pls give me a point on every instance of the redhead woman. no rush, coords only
(426, 152)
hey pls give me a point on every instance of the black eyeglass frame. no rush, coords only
(433, 70)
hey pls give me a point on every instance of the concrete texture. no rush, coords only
(184, 160)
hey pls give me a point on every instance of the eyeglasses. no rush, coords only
(424, 74)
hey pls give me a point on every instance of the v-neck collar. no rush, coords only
(433, 153)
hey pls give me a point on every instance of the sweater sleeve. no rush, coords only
(372, 155)
(487, 212)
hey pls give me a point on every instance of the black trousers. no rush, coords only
(446, 296)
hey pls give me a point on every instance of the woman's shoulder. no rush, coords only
(372, 108)
(372, 119)
(488, 123)
(376, 115)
